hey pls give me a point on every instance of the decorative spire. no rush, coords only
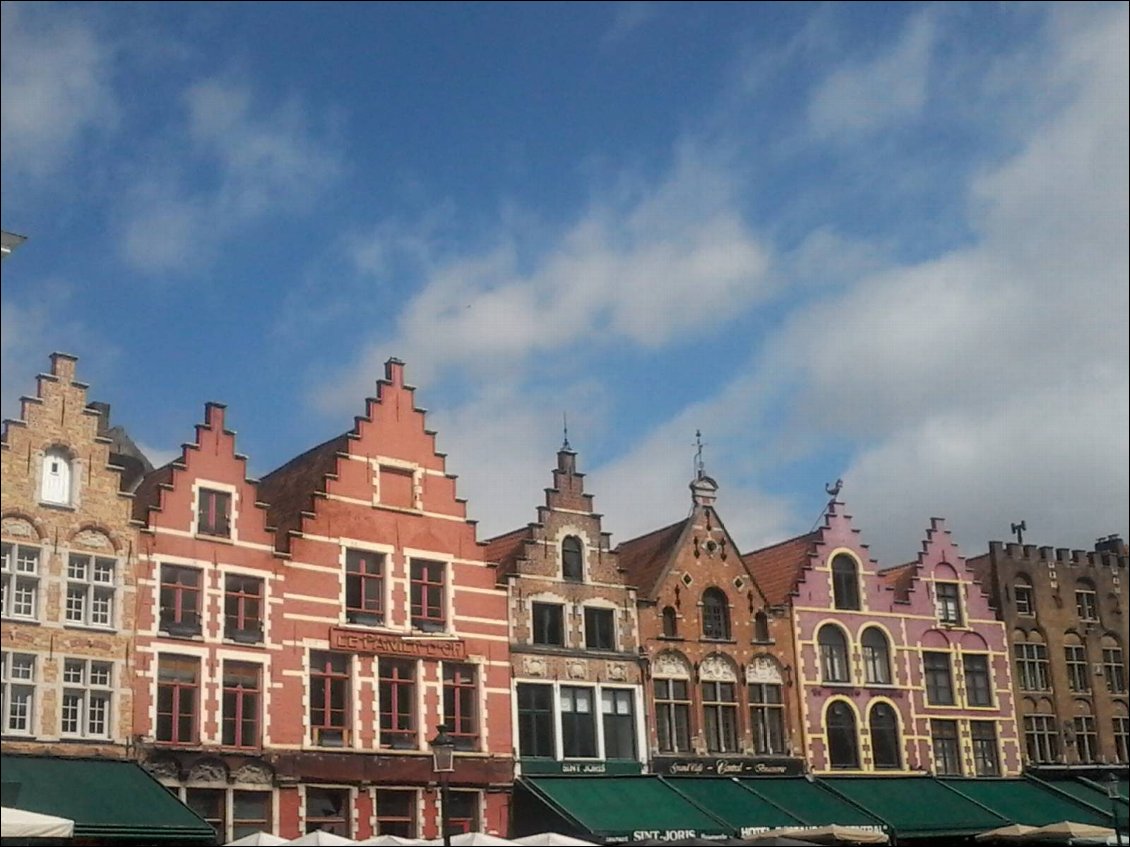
(565, 427)
(699, 467)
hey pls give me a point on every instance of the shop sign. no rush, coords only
(725, 766)
(544, 767)
(384, 644)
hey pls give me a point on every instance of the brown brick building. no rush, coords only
(1066, 614)
(720, 663)
(578, 703)
(69, 592)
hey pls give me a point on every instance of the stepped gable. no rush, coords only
(778, 568)
(647, 558)
(900, 579)
(210, 455)
(390, 438)
(507, 549)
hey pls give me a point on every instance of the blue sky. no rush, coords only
(879, 242)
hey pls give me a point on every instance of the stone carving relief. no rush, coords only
(162, 769)
(533, 666)
(763, 670)
(254, 773)
(671, 664)
(716, 669)
(209, 770)
(94, 539)
(576, 669)
(617, 672)
(19, 528)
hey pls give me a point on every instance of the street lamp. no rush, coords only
(1112, 793)
(443, 763)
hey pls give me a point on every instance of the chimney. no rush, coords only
(1111, 544)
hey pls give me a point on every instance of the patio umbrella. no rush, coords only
(553, 839)
(1012, 832)
(321, 838)
(390, 841)
(17, 823)
(255, 839)
(472, 839)
(834, 834)
(1065, 831)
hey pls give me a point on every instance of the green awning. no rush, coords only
(809, 803)
(1027, 801)
(916, 807)
(624, 807)
(108, 799)
(730, 800)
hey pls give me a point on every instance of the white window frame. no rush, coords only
(86, 587)
(92, 684)
(24, 685)
(20, 579)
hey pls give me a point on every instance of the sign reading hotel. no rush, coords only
(727, 767)
(385, 644)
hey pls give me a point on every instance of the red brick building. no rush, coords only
(306, 636)
(719, 670)
(209, 628)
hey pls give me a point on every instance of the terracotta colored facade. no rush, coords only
(210, 624)
(69, 590)
(578, 701)
(1066, 613)
(304, 638)
(719, 662)
(893, 678)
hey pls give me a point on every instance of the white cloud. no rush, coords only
(865, 97)
(56, 89)
(647, 269)
(260, 162)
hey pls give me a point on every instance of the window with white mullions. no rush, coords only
(90, 590)
(87, 697)
(18, 676)
(20, 580)
(947, 598)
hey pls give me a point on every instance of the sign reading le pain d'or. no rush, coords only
(385, 644)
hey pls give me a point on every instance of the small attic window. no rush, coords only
(56, 483)
(572, 559)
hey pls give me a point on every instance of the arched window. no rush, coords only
(843, 747)
(845, 583)
(876, 657)
(885, 737)
(761, 627)
(833, 654)
(670, 622)
(56, 487)
(572, 559)
(715, 614)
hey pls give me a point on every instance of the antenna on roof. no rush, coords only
(1018, 531)
(565, 428)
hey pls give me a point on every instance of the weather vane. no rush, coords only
(565, 428)
(834, 490)
(1018, 530)
(699, 467)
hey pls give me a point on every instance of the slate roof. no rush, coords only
(778, 568)
(289, 490)
(644, 559)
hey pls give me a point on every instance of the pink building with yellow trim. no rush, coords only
(900, 671)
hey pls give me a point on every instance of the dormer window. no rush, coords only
(56, 483)
(572, 559)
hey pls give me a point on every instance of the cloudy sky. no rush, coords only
(882, 243)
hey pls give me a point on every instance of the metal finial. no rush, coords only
(1018, 530)
(699, 467)
(834, 490)
(565, 428)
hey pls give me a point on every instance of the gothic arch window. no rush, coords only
(833, 654)
(845, 583)
(876, 657)
(715, 614)
(843, 745)
(885, 737)
(670, 622)
(572, 559)
(56, 482)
